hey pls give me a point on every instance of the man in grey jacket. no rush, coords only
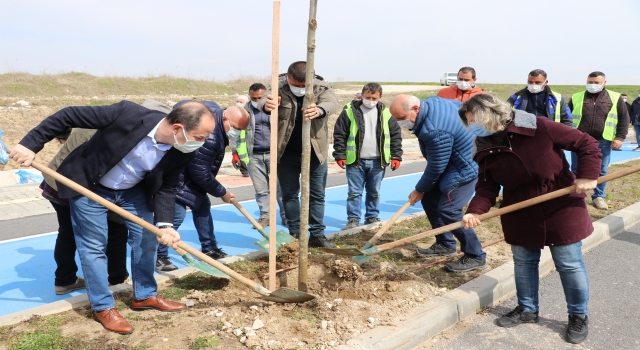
(290, 113)
(252, 148)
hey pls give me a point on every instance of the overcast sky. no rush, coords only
(372, 40)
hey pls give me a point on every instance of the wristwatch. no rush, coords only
(165, 226)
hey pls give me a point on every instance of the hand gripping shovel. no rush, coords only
(281, 295)
(282, 237)
(361, 258)
(508, 209)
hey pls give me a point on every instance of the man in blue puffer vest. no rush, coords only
(450, 177)
(199, 178)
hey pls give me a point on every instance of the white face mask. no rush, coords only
(298, 91)
(233, 133)
(240, 104)
(479, 131)
(464, 85)
(534, 89)
(369, 104)
(406, 123)
(594, 88)
(254, 104)
(189, 146)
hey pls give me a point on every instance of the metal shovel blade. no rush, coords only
(363, 258)
(282, 238)
(343, 251)
(287, 295)
(204, 267)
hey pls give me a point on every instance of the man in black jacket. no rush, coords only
(634, 119)
(129, 162)
(366, 139)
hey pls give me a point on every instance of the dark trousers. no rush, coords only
(444, 209)
(64, 252)
(289, 169)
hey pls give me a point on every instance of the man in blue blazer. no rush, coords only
(134, 161)
(449, 180)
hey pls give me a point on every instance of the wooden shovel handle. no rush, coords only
(508, 209)
(388, 224)
(246, 214)
(149, 227)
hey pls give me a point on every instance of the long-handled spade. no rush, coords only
(281, 295)
(361, 258)
(282, 237)
(508, 209)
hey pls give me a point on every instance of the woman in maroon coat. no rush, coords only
(524, 155)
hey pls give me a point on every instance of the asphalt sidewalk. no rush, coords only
(614, 279)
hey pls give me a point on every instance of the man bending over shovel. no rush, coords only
(450, 177)
(129, 161)
(199, 178)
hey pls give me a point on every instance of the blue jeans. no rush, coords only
(605, 148)
(570, 267)
(289, 169)
(637, 129)
(259, 169)
(203, 222)
(443, 209)
(367, 175)
(90, 229)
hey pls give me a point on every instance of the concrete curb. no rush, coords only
(426, 321)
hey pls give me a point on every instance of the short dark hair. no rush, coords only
(298, 71)
(467, 70)
(188, 114)
(625, 95)
(257, 87)
(597, 74)
(372, 88)
(537, 72)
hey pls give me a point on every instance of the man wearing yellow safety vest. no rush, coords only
(538, 99)
(602, 114)
(366, 140)
(252, 148)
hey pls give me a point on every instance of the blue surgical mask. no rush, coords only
(479, 131)
(189, 146)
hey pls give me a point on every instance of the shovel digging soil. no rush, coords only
(282, 237)
(505, 210)
(360, 257)
(281, 295)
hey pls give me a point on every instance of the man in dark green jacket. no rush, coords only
(291, 93)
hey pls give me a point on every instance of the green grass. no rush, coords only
(308, 315)
(199, 281)
(205, 342)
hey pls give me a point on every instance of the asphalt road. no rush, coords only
(613, 308)
(33, 225)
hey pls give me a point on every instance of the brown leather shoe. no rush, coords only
(112, 321)
(158, 303)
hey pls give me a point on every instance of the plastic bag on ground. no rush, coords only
(28, 177)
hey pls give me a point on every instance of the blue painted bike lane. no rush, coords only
(27, 272)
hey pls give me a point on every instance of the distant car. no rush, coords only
(449, 78)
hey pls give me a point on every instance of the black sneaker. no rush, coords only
(320, 242)
(216, 254)
(351, 223)
(517, 316)
(436, 249)
(465, 264)
(577, 329)
(371, 221)
(164, 264)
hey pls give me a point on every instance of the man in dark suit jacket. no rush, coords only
(130, 162)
